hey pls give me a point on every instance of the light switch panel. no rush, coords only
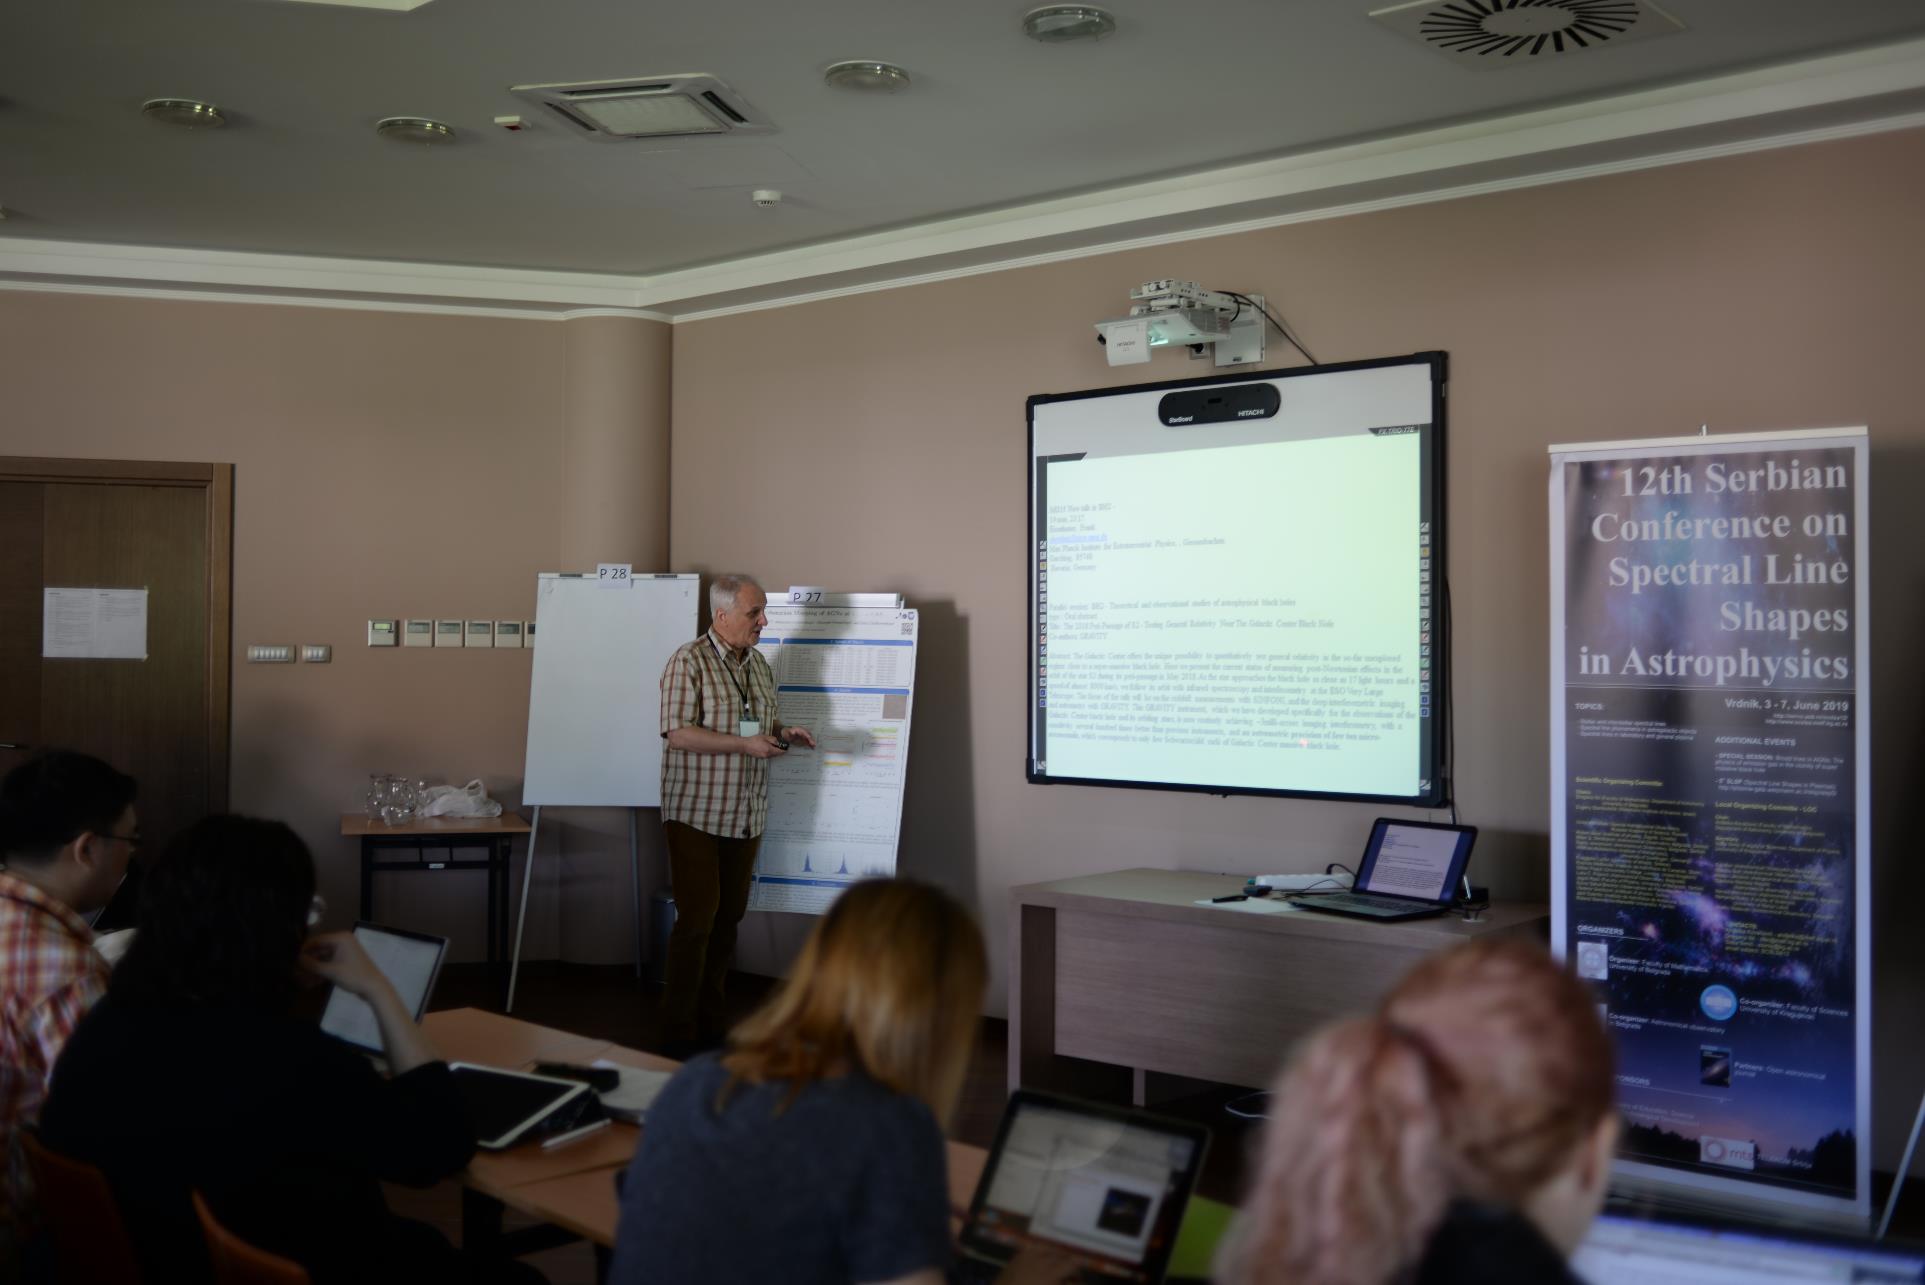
(271, 655)
(316, 653)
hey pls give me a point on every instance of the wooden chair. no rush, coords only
(238, 1263)
(88, 1235)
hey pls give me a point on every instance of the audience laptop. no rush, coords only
(1627, 1249)
(410, 961)
(1410, 869)
(1105, 1184)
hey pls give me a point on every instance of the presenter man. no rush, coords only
(720, 728)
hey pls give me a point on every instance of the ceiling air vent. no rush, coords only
(648, 107)
(1510, 33)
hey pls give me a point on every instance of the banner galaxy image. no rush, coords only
(1709, 790)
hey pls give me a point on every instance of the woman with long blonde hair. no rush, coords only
(1463, 1132)
(812, 1148)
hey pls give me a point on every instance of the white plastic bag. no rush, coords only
(470, 800)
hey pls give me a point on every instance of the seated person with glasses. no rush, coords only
(66, 830)
(194, 1074)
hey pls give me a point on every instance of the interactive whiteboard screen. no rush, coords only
(1235, 583)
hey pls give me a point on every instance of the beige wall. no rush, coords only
(386, 465)
(1775, 290)
(392, 464)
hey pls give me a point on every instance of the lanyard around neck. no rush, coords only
(747, 708)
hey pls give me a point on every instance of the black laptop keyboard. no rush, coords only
(1381, 903)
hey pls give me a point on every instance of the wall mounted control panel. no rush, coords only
(382, 633)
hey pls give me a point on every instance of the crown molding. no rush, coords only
(1911, 120)
(128, 291)
(1836, 96)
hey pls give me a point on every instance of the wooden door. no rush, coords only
(165, 528)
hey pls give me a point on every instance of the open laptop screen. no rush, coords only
(411, 961)
(1108, 1185)
(1415, 859)
(1635, 1251)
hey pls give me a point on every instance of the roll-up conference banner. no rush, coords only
(1710, 804)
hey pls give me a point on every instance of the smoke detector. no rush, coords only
(648, 107)
(1510, 33)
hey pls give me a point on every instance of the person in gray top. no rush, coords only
(811, 1150)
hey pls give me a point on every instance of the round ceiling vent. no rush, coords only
(1494, 33)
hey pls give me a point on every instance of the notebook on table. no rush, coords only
(1409, 869)
(1107, 1185)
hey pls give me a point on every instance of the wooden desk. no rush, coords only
(476, 1035)
(1126, 968)
(586, 1204)
(495, 835)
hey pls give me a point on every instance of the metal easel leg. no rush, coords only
(521, 920)
(635, 887)
(1904, 1167)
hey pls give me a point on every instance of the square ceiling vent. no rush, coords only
(648, 107)
(1511, 33)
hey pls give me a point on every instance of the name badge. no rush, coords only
(749, 727)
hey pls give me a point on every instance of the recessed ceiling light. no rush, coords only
(865, 74)
(1057, 23)
(414, 129)
(190, 112)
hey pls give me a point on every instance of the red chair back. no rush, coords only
(83, 1217)
(238, 1263)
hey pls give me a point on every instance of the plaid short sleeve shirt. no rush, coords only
(50, 975)
(703, 685)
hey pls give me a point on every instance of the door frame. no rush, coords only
(217, 481)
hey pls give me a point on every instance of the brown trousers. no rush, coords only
(710, 878)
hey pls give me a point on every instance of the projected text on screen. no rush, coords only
(1239, 606)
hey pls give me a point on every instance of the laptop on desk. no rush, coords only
(1105, 1184)
(1410, 869)
(412, 961)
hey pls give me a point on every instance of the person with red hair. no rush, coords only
(1462, 1132)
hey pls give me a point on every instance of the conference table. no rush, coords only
(570, 1190)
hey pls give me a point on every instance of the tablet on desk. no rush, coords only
(508, 1106)
(411, 961)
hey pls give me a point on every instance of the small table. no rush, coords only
(495, 835)
(1127, 968)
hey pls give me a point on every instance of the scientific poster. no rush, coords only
(1709, 802)
(835, 812)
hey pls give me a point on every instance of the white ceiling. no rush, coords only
(993, 122)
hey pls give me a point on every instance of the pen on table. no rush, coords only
(574, 1135)
(1235, 896)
